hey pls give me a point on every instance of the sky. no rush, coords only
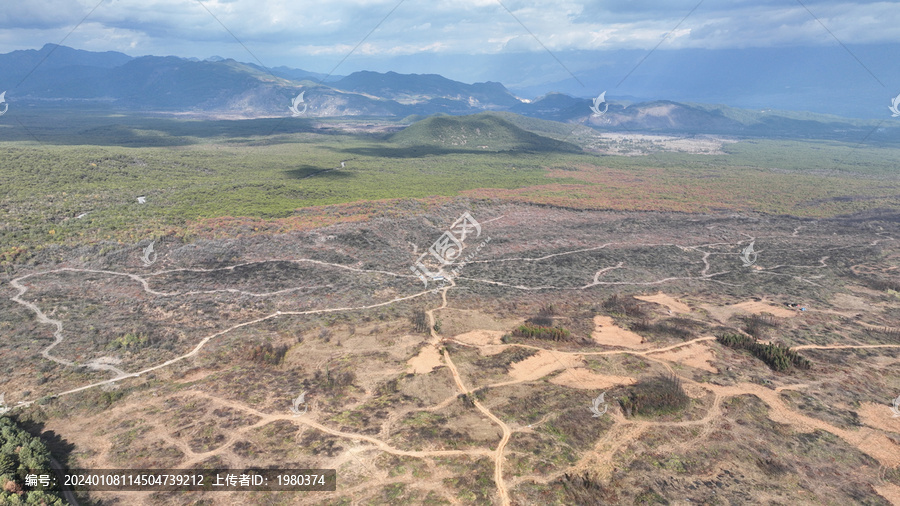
(319, 35)
(525, 44)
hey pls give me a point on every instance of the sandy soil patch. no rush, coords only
(476, 426)
(588, 380)
(106, 361)
(884, 360)
(492, 349)
(459, 321)
(889, 491)
(607, 332)
(666, 300)
(194, 375)
(879, 446)
(426, 361)
(695, 355)
(879, 416)
(481, 337)
(863, 290)
(694, 391)
(543, 363)
(723, 313)
(764, 307)
(847, 301)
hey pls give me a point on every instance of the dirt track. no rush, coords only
(547, 362)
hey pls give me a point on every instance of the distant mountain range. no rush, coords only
(59, 76)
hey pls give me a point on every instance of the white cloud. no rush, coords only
(281, 31)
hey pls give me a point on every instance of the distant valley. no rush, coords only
(61, 77)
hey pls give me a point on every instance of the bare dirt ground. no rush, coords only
(879, 416)
(606, 332)
(585, 379)
(481, 337)
(666, 300)
(723, 313)
(851, 302)
(426, 361)
(464, 415)
(889, 491)
(695, 355)
(542, 364)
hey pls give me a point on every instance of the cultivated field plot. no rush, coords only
(579, 357)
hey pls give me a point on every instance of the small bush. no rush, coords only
(332, 381)
(642, 325)
(585, 489)
(267, 354)
(664, 328)
(771, 466)
(674, 329)
(627, 305)
(758, 325)
(544, 318)
(654, 396)
(130, 341)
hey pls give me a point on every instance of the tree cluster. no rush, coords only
(530, 331)
(777, 356)
(420, 321)
(22, 454)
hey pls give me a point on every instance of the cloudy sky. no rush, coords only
(517, 42)
(304, 34)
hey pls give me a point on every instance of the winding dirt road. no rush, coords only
(622, 431)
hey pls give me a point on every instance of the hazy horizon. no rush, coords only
(823, 57)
